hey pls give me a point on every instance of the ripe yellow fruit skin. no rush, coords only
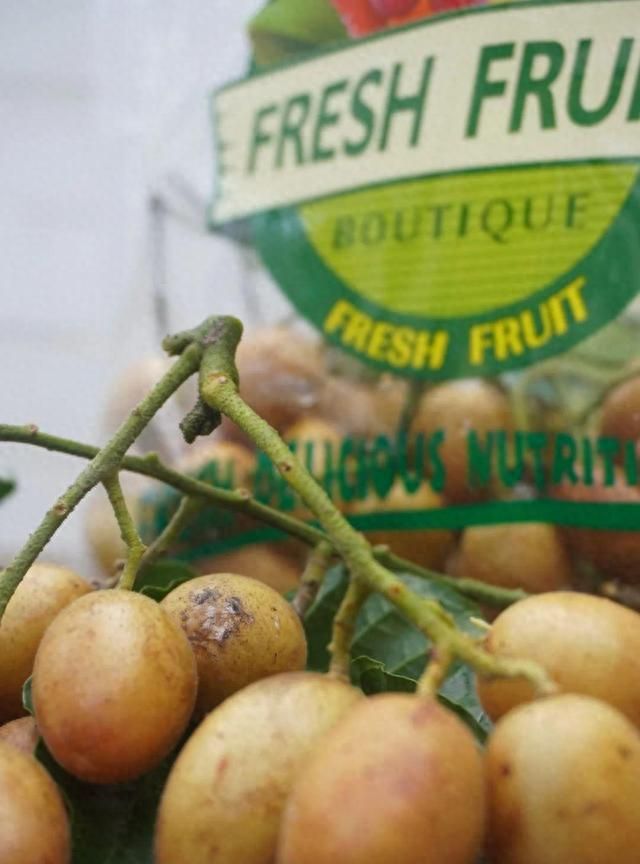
(563, 780)
(530, 556)
(21, 733)
(240, 630)
(223, 801)
(398, 780)
(34, 828)
(114, 686)
(587, 644)
(44, 591)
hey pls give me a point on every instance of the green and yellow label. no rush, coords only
(459, 197)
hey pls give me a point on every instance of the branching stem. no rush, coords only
(105, 462)
(312, 578)
(128, 532)
(220, 392)
(344, 625)
(240, 501)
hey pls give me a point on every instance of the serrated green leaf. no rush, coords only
(162, 577)
(371, 677)
(285, 28)
(390, 653)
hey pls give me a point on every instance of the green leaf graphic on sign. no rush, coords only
(285, 28)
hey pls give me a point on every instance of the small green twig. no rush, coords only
(106, 461)
(188, 509)
(481, 592)
(344, 625)
(317, 565)
(128, 532)
(432, 679)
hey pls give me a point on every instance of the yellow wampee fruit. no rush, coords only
(223, 801)
(587, 644)
(114, 685)
(44, 591)
(399, 779)
(563, 783)
(34, 826)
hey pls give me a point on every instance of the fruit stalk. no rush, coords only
(128, 532)
(314, 572)
(240, 501)
(104, 463)
(344, 625)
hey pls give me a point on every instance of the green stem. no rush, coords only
(481, 592)
(317, 565)
(151, 466)
(187, 510)
(433, 677)
(128, 532)
(220, 393)
(104, 463)
(344, 625)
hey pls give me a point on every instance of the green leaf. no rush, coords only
(6, 487)
(390, 653)
(371, 677)
(162, 577)
(110, 824)
(286, 28)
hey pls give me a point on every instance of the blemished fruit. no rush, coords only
(615, 554)
(458, 408)
(224, 798)
(427, 547)
(240, 630)
(114, 685)
(34, 828)
(530, 556)
(21, 733)
(270, 563)
(563, 781)
(44, 591)
(399, 779)
(587, 644)
(281, 373)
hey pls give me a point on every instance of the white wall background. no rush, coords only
(102, 103)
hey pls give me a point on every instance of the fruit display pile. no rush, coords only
(377, 717)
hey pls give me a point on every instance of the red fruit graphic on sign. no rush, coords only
(449, 5)
(392, 8)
